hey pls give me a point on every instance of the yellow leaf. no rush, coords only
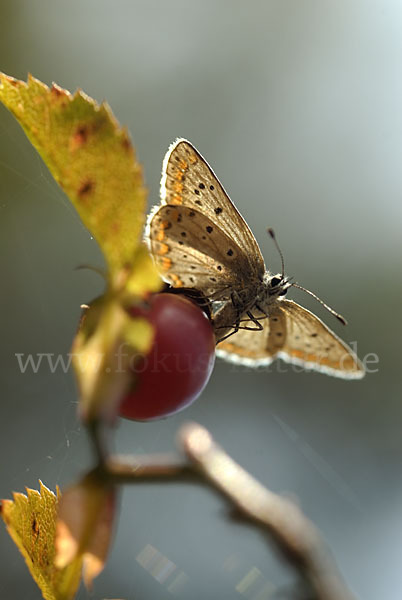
(31, 522)
(139, 334)
(90, 156)
(92, 159)
(143, 277)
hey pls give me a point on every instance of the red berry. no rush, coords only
(177, 368)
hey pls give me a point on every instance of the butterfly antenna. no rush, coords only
(329, 309)
(272, 234)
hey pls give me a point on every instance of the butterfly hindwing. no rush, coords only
(250, 347)
(297, 336)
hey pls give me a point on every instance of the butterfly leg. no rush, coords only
(233, 328)
(237, 326)
(253, 320)
(225, 337)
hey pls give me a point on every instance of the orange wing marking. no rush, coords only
(163, 249)
(166, 263)
(177, 282)
(177, 199)
(160, 236)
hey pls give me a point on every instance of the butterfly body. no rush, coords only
(199, 240)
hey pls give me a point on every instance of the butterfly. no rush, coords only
(199, 241)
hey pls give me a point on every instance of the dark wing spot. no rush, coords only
(184, 255)
(197, 192)
(183, 234)
(201, 186)
(219, 268)
(275, 318)
(179, 218)
(212, 279)
(279, 333)
(204, 237)
(314, 335)
(211, 187)
(191, 279)
(193, 267)
(198, 202)
(191, 213)
(218, 210)
(229, 252)
(180, 243)
(209, 229)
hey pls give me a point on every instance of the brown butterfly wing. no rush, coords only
(191, 251)
(251, 348)
(297, 336)
(309, 342)
(189, 181)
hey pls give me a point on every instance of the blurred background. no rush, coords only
(297, 107)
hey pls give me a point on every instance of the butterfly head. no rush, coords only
(276, 285)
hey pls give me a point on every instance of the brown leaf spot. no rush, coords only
(86, 189)
(125, 142)
(79, 138)
(35, 527)
(59, 96)
(56, 90)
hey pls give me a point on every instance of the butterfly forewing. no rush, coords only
(310, 342)
(188, 180)
(297, 336)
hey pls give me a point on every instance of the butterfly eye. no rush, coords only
(275, 281)
(283, 292)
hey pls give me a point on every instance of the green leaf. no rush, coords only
(90, 156)
(31, 522)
